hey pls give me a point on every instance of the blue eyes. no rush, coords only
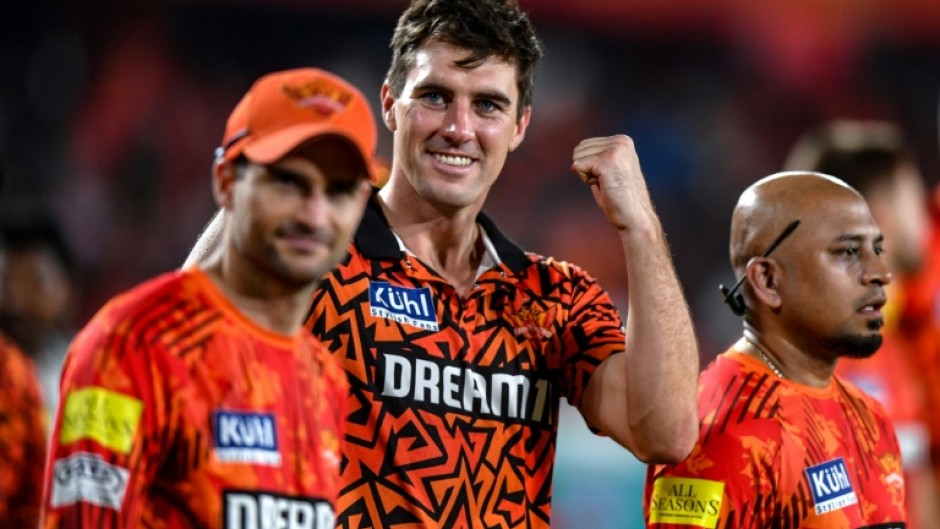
(485, 106)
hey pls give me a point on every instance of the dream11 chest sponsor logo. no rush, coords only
(831, 487)
(411, 306)
(441, 386)
(245, 437)
(261, 510)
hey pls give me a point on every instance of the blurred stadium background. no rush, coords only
(109, 113)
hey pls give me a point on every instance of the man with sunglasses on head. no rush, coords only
(783, 442)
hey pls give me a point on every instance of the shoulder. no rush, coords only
(145, 297)
(545, 272)
(735, 400)
(557, 267)
(17, 372)
(11, 356)
(858, 398)
(147, 314)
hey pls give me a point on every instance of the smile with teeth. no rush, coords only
(459, 161)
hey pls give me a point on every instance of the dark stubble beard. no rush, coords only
(857, 346)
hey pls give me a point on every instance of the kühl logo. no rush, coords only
(831, 487)
(411, 306)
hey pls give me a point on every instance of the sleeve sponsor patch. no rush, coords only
(687, 501)
(86, 477)
(105, 416)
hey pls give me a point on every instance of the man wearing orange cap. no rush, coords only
(197, 399)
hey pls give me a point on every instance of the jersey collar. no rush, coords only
(375, 238)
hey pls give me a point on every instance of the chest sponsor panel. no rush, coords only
(444, 387)
(245, 437)
(407, 305)
(831, 486)
(262, 510)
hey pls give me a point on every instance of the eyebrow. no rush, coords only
(430, 86)
(858, 238)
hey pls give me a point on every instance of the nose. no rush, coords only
(458, 122)
(876, 271)
(315, 210)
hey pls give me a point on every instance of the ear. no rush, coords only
(223, 183)
(521, 126)
(763, 277)
(388, 107)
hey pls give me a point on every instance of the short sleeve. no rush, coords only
(728, 481)
(106, 443)
(592, 332)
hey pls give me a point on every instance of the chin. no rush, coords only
(299, 273)
(856, 346)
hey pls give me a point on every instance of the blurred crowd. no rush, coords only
(109, 117)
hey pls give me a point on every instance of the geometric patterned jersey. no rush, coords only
(453, 409)
(178, 412)
(775, 454)
(22, 438)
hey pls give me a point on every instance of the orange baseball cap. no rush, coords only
(284, 110)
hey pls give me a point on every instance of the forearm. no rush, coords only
(662, 360)
(208, 242)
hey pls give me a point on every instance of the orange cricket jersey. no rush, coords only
(453, 409)
(178, 412)
(775, 454)
(22, 439)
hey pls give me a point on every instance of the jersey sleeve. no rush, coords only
(729, 481)
(22, 439)
(593, 331)
(106, 444)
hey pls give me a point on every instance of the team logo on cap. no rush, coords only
(320, 96)
(831, 487)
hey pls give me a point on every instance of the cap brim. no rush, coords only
(273, 147)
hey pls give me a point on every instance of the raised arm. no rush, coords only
(645, 398)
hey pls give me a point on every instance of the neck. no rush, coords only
(450, 242)
(269, 302)
(787, 360)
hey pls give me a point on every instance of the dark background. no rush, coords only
(109, 113)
